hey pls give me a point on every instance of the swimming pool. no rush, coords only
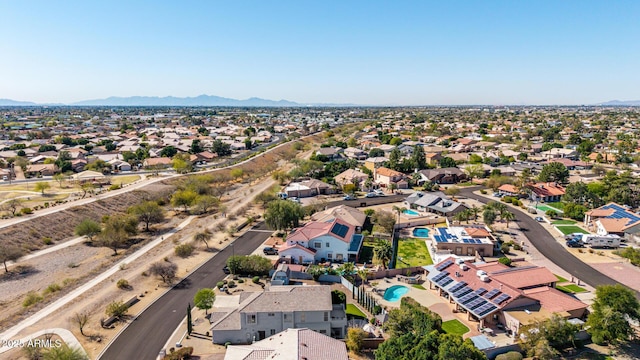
(410, 212)
(395, 292)
(421, 232)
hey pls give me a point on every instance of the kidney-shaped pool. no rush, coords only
(395, 292)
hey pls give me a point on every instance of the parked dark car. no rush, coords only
(575, 243)
(270, 251)
(226, 270)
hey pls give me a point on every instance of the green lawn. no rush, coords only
(418, 286)
(454, 327)
(353, 311)
(568, 229)
(563, 222)
(571, 288)
(561, 279)
(557, 205)
(413, 253)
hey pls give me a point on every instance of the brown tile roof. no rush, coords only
(477, 232)
(508, 188)
(613, 225)
(524, 277)
(547, 189)
(554, 300)
(600, 212)
(388, 172)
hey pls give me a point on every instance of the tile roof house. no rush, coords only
(451, 175)
(493, 293)
(508, 189)
(349, 176)
(613, 219)
(291, 344)
(250, 316)
(350, 215)
(387, 177)
(332, 240)
(307, 188)
(434, 202)
(546, 192)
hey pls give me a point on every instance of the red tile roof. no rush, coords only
(554, 300)
(547, 189)
(388, 172)
(525, 277)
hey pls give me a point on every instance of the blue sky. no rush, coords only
(364, 52)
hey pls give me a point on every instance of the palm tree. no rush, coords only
(399, 210)
(459, 217)
(362, 274)
(507, 216)
(475, 211)
(203, 236)
(347, 268)
(383, 252)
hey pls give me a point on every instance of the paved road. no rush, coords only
(550, 248)
(147, 334)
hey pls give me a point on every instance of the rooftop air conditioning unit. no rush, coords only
(459, 261)
(481, 272)
(464, 266)
(484, 278)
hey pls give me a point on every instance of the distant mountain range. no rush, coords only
(621, 103)
(202, 100)
(8, 102)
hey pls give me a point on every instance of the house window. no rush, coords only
(327, 244)
(326, 316)
(251, 318)
(287, 317)
(323, 332)
(330, 255)
(271, 314)
(303, 317)
(273, 331)
(317, 245)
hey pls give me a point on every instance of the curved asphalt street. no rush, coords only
(550, 248)
(146, 335)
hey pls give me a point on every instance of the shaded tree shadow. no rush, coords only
(18, 273)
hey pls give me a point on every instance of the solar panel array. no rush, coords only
(462, 292)
(457, 287)
(472, 241)
(340, 230)
(492, 293)
(445, 234)
(439, 238)
(467, 299)
(502, 298)
(439, 276)
(481, 291)
(444, 265)
(483, 310)
(621, 213)
(444, 281)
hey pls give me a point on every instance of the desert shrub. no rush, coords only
(220, 284)
(231, 284)
(47, 241)
(377, 310)
(240, 281)
(114, 187)
(51, 289)
(505, 248)
(32, 298)
(26, 211)
(517, 246)
(505, 260)
(256, 279)
(123, 284)
(180, 354)
(511, 355)
(117, 309)
(184, 250)
(483, 192)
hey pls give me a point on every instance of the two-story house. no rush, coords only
(386, 177)
(335, 240)
(252, 316)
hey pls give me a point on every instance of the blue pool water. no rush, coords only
(395, 292)
(410, 212)
(421, 232)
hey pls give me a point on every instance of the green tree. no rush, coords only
(59, 178)
(147, 212)
(42, 186)
(204, 299)
(9, 253)
(184, 198)
(88, 228)
(489, 217)
(395, 162)
(507, 216)
(474, 171)
(612, 306)
(283, 214)
(355, 338)
(203, 236)
(117, 230)
(418, 158)
(375, 152)
(168, 151)
(447, 162)
(117, 309)
(220, 148)
(196, 147)
(554, 172)
(167, 271)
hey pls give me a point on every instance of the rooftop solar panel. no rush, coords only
(468, 298)
(462, 292)
(492, 293)
(445, 281)
(440, 276)
(502, 298)
(444, 265)
(484, 310)
(476, 303)
(480, 291)
(457, 286)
